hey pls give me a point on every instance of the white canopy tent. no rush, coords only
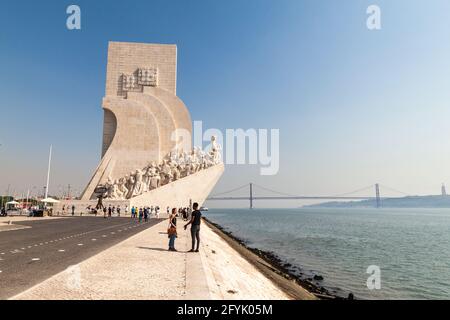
(49, 200)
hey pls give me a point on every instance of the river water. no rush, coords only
(411, 247)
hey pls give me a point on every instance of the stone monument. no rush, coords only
(146, 158)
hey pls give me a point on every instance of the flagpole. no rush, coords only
(28, 196)
(48, 172)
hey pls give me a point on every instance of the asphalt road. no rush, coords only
(30, 256)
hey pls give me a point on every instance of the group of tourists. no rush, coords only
(184, 213)
(143, 213)
(107, 211)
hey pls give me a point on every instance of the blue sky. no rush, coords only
(354, 107)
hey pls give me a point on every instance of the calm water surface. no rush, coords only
(411, 246)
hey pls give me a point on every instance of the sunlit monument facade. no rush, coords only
(147, 155)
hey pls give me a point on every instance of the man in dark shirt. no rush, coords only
(195, 228)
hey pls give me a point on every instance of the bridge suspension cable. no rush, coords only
(355, 191)
(230, 191)
(273, 191)
(394, 190)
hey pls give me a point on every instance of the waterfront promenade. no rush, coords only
(140, 267)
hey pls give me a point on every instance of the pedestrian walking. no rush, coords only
(195, 227)
(118, 210)
(109, 211)
(73, 210)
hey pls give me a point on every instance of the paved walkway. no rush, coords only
(49, 246)
(142, 268)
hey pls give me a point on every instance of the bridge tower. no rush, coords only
(251, 195)
(377, 195)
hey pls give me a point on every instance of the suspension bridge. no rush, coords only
(285, 196)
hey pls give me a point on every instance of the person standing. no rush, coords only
(145, 214)
(172, 230)
(109, 211)
(157, 212)
(133, 211)
(118, 210)
(73, 210)
(141, 214)
(195, 227)
(104, 212)
(126, 210)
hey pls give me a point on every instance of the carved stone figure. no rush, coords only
(167, 172)
(109, 188)
(138, 185)
(123, 191)
(175, 172)
(146, 178)
(131, 183)
(215, 150)
(114, 190)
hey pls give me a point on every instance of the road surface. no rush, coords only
(29, 256)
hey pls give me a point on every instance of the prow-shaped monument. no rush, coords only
(147, 156)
